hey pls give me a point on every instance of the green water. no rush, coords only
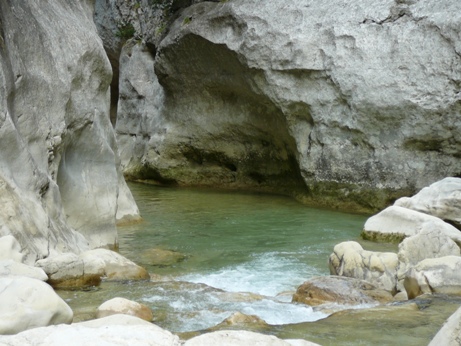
(240, 252)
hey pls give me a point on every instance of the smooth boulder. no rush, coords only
(341, 290)
(441, 199)
(351, 260)
(13, 268)
(120, 330)
(395, 223)
(29, 303)
(426, 244)
(70, 270)
(434, 275)
(120, 305)
(242, 338)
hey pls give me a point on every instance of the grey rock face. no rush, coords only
(58, 163)
(347, 99)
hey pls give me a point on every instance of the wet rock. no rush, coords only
(394, 223)
(434, 275)
(114, 265)
(441, 199)
(13, 268)
(69, 270)
(341, 290)
(238, 319)
(29, 303)
(427, 244)
(124, 306)
(351, 260)
(111, 330)
(241, 338)
(449, 334)
(162, 257)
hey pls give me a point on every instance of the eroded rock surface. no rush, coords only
(395, 223)
(441, 199)
(339, 97)
(341, 290)
(59, 178)
(434, 275)
(351, 260)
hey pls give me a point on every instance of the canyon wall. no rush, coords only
(347, 104)
(60, 186)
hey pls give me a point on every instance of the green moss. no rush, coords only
(377, 237)
(126, 31)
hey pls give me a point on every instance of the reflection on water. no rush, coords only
(239, 252)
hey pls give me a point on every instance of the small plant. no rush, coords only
(187, 20)
(126, 31)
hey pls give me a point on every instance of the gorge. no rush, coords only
(339, 105)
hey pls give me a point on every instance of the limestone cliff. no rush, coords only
(339, 103)
(59, 181)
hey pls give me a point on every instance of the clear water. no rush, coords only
(244, 252)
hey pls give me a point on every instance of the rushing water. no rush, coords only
(240, 252)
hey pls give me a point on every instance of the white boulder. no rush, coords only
(394, 223)
(242, 338)
(434, 275)
(427, 244)
(351, 260)
(10, 249)
(122, 330)
(441, 199)
(29, 303)
(13, 268)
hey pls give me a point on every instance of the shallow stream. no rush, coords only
(245, 252)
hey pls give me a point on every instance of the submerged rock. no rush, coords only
(394, 224)
(124, 306)
(238, 319)
(441, 199)
(351, 260)
(341, 290)
(29, 303)
(162, 257)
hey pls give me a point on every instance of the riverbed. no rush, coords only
(247, 253)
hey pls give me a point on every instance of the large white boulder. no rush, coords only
(242, 338)
(29, 303)
(86, 269)
(379, 268)
(122, 330)
(429, 243)
(13, 268)
(395, 223)
(441, 199)
(434, 275)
